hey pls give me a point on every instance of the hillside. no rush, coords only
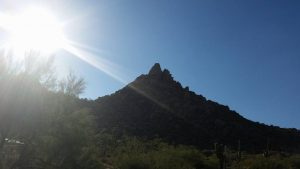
(157, 106)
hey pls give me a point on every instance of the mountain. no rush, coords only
(154, 105)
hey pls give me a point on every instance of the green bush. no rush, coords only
(294, 161)
(135, 154)
(273, 162)
(133, 161)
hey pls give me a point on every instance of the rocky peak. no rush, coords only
(166, 75)
(155, 70)
(157, 73)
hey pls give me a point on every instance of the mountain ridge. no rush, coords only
(155, 105)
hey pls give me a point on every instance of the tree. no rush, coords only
(72, 85)
(43, 114)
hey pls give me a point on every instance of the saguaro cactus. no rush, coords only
(267, 151)
(239, 153)
(220, 152)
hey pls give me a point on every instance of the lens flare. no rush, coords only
(34, 29)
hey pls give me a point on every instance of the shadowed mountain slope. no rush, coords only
(157, 106)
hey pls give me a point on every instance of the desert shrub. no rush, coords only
(294, 161)
(260, 162)
(133, 161)
(136, 154)
(173, 158)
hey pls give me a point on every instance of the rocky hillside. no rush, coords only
(157, 106)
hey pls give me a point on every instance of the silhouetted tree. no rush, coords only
(72, 85)
(45, 119)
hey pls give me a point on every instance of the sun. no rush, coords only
(34, 29)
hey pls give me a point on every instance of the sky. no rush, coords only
(244, 54)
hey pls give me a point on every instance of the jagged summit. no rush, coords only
(156, 69)
(157, 73)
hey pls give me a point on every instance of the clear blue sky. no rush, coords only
(245, 54)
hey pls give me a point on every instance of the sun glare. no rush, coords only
(35, 29)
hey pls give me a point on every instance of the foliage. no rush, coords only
(41, 126)
(273, 162)
(72, 85)
(133, 153)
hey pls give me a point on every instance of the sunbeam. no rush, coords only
(107, 67)
(36, 29)
(99, 63)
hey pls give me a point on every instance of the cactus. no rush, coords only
(267, 151)
(220, 152)
(239, 153)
